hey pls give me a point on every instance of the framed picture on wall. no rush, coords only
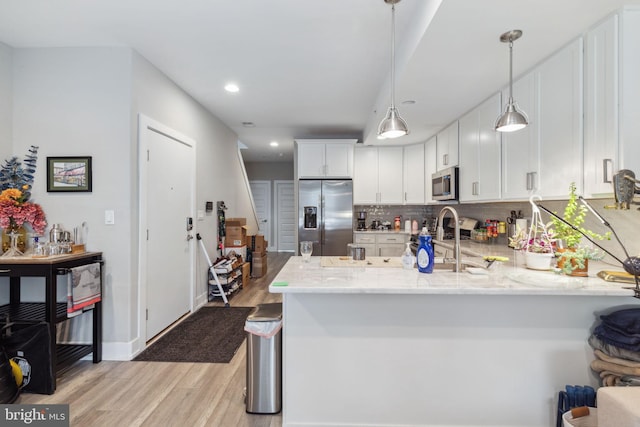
(66, 174)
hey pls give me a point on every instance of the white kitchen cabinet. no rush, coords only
(479, 178)
(390, 175)
(447, 146)
(520, 149)
(430, 167)
(384, 243)
(365, 179)
(629, 132)
(318, 158)
(378, 175)
(612, 128)
(413, 174)
(367, 241)
(560, 121)
(392, 244)
(546, 156)
(601, 108)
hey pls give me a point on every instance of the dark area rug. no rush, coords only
(210, 335)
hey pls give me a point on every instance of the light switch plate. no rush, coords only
(109, 217)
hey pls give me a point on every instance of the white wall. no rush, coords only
(5, 101)
(219, 176)
(76, 102)
(85, 102)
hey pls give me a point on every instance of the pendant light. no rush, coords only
(513, 118)
(392, 126)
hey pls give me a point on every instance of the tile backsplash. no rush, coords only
(626, 223)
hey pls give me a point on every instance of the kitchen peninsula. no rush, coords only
(375, 345)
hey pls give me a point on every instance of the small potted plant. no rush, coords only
(572, 256)
(575, 262)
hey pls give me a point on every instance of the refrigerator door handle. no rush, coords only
(322, 213)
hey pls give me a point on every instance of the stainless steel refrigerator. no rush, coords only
(325, 215)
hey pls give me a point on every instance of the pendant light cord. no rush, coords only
(511, 71)
(393, 55)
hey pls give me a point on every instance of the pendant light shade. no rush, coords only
(512, 119)
(392, 126)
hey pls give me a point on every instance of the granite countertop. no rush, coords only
(510, 278)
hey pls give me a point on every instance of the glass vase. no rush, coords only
(14, 242)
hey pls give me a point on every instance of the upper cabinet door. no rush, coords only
(365, 180)
(390, 175)
(325, 158)
(430, 167)
(601, 108)
(413, 174)
(520, 149)
(311, 163)
(560, 121)
(339, 160)
(447, 147)
(480, 153)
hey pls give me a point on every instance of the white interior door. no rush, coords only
(285, 216)
(166, 244)
(261, 192)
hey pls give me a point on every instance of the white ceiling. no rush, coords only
(316, 68)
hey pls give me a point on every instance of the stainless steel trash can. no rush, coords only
(264, 359)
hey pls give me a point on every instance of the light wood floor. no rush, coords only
(126, 394)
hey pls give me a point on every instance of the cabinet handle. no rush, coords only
(5, 270)
(405, 196)
(606, 170)
(533, 180)
(379, 251)
(445, 159)
(474, 188)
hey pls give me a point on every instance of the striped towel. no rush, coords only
(84, 287)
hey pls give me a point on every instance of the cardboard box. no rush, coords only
(236, 221)
(235, 232)
(257, 243)
(258, 264)
(246, 273)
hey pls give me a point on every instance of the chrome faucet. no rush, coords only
(440, 233)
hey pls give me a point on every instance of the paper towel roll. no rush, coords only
(407, 226)
(521, 224)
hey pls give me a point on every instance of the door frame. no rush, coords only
(276, 213)
(270, 200)
(145, 123)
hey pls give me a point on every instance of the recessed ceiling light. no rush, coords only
(248, 124)
(273, 143)
(231, 87)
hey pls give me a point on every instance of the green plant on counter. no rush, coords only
(575, 214)
(575, 255)
(576, 258)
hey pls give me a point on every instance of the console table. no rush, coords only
(50, 310)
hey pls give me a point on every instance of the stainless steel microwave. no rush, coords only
(444, 184)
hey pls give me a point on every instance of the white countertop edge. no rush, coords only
(451, 291)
